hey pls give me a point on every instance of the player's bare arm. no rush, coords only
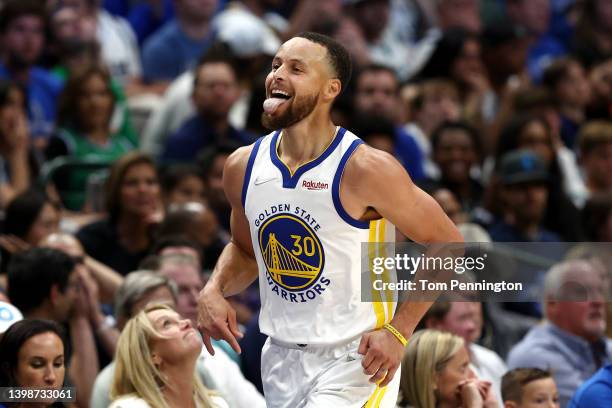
(236, 267)
(376, 185)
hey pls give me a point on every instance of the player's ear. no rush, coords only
(333, 88)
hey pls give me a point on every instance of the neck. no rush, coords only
(219, 124)
(43, 312)
(133, 232)
(528, 228)
(180, 390)
(98, 135)
(306, 140)
(194, 29)
(575, 113)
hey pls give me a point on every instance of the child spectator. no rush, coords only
(529, 388)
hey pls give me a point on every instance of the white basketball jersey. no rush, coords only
(308, 248)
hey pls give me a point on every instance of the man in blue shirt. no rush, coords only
(177, 45)
(596, 392)
(22, 32)
(571, 343)
(215, 91)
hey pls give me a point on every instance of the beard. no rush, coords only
(298, 109)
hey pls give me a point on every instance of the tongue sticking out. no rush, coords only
(271, 104)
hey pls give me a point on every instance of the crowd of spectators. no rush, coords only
(117, 117)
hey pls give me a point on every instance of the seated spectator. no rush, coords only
(464, 319)
(436, 101)
(161, 371)
(177, 244)
(596, 392)
(183, 183)
(84, 120)
(595, 152)
(591, 42)
(436, 373)
(567, 81)
(215, 90)
(44, 283)
(16, 163)
(529, 387)
(455, 151)
(33, 355)
(176, 46)
(571, 343)
(198, 223)
(19, 20)
(29, 218)
(533, 133)
(218, 373)
(133, 204)
(524, 198)
(377, 94)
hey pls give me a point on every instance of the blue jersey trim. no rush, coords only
(336, 188)
(290, 180)
(249, 168)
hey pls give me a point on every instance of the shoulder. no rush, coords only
(368, 166)
(99, 229)
(234, 171)
(539, 348)
(129, 401)
(596, 390)
(158, 41)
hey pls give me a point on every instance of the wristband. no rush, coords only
(396, 333)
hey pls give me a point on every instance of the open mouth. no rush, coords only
(277, 98)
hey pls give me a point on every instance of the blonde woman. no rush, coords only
(436, 374)
(156, 359)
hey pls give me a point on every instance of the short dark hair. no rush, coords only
(174, 240)
(339, 57)
(368, 125)
(206, 157)
(172, 175)
(557, 71)
(374, 67)
(22, 211)
(13, 339)
(514, 381)
(32, 273)
(220, 53)
(14, 9)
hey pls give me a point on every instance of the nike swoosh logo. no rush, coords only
(262, 181)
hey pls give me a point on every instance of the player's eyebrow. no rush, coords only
(294, 59)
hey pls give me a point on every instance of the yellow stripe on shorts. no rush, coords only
(376, 397)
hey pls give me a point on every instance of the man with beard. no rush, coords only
(303, 200)
(215, 90)
(22, 34)
(571, 343)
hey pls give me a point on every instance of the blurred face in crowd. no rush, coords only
(574, 89)
(180, 341)
(382, 142)
(534, 15)
(372, 16)
(64, 302)
(586, 319)
(23, 41)
(11, 112)
(216, 90)
(526, 202)
(65, 24)
(183, 250)
(160, 294)
(40, 362)
(376, 93)
(455, 154)
(468, 63)
(603, 11)
(540, 393)
(597, 165)
(189, 189)
(45, 224)
(459, 13)
(439, 104)
(187, 278)
(448, 379)
(95, 103)
(196, 10)
(139, 194)
(536, 137)
(464, 319)
(450, 205)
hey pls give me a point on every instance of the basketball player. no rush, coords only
(303, 200)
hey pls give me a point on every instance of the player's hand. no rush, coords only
(383, 354)
(217, 319)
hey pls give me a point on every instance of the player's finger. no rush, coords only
(372, 368)
(379, 375)
(227, 335)
(233, 325)
(363, 344)
(368, 359)
(388, 377)
(208, 343)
